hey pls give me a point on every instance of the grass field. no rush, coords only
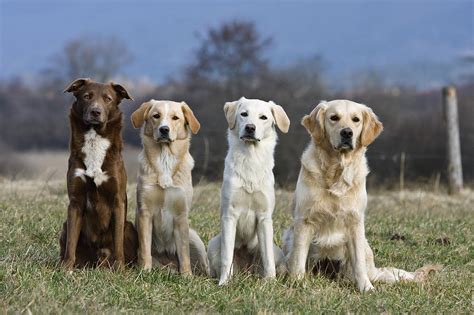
(406, 231)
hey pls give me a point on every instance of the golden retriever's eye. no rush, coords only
(175, 118)
(355, 119)
(334, 118)
(87, 97)
(263, 117)
(244, 114)
(156, 116)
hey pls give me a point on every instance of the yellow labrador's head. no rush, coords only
(165, 121)
(253, 120)
(343, 124)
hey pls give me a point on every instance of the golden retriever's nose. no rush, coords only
(346, 133)
(165, 130)
(250, 128)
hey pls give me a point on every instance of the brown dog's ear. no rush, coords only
(121, 91)
(314, 122)
(230, 110)
(371, 129)
(76, 85)
(281, 119)
(193, 123)
(138, 116)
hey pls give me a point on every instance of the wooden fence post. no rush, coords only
(450, 107)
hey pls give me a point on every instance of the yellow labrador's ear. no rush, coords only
(191, 120)
(314, 122)
(371, 129)
(76, 85)
(139, 116)
(230, 110)
(281, 119)
(121, 91)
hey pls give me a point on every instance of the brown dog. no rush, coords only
(96, 231)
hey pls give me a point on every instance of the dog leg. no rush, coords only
(145, 230)
(228, 230)
(74, 225)
(197, 251)
(302, 234)
(265, 241)
(356, 246)
(119, 226)
(214, 256)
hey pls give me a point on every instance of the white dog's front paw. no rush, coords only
(223, 281)
(366, 286)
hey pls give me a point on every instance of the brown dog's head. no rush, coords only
(165, 121)
(96, 101)
(343, 125)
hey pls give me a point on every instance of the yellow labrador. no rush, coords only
(330, 197)
(164, 190)
(247, 194)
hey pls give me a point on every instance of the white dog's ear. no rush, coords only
(230, 110)
(371, 129)
(281, 119)
(191, 120)
(138, 116)
(314, 122)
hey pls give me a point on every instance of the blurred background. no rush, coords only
(394, 56)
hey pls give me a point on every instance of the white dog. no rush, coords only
(247, 195)
(330, 197)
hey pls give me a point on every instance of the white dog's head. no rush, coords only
(253, 120)
(343, 124)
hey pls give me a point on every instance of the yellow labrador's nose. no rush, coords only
(346, 133)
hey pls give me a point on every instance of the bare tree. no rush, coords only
(230, 55)
(99, 58)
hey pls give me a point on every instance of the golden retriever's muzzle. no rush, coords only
(346, 143)
(163, 134)
(249, 134)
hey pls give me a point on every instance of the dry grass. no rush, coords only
(406, 231)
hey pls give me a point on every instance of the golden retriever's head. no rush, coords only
(254, 120)
(343, 124)
(165, 121)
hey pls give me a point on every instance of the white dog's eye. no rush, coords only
(263, 117)
(156, 116)
(334, 118)
(244, 114)
(355, 119)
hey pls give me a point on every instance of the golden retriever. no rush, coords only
(248, 193)
(330, 197)
(164, 190)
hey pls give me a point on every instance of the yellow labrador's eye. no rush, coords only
(263, 117)
(355, 119)
(156, 116)
(334, 118)
(175, 118)
(244, 114)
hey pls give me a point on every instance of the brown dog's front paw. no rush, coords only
(67, 264)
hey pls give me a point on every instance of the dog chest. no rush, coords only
(94, 149)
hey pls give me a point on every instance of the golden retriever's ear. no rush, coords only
(191, 120)
(371, 129)
(230, 110)
(281, 119)
(314, 122)
(76, 85)
(138, 116)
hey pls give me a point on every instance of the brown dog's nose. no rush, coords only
(95, 112)
(346, 133)
(250, 128)
(164, 130)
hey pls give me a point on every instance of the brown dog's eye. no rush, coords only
(263, 117)
(244, 114)
(107, 98)
(355, 119)
(334, 118)
(156, 116)
(175, 118)
(86, 96)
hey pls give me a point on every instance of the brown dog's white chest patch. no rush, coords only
(94, 148)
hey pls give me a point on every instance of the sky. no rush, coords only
(420, 41)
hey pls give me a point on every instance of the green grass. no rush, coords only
(30, 279)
